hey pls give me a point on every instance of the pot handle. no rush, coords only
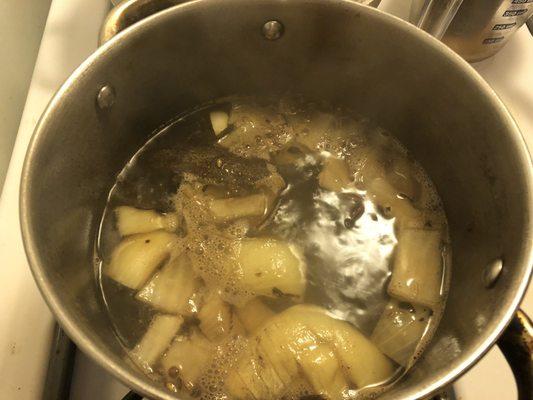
(516, 344)
(128, 12)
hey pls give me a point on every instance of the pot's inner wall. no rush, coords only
(333, 51)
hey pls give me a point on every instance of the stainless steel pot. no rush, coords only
(335, 50)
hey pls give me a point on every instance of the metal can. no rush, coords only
(482, 27)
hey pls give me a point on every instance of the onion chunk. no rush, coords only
(417, 268)
(219, 121)
(131, 220)
(171, 289)
(156, 340)
(137, 257)
(400, 329)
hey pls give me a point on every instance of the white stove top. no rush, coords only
(25, 322)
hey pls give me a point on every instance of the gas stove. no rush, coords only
(26, 324)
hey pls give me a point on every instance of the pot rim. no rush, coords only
(144, 385)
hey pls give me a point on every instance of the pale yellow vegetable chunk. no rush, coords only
(269, 267)
(417, 267)
(331, 354)
(393, 204)
(274, 347)
(171, 289)
(402, 177)
(250, 379)
(323, 371)
(131, 220)
(257, 131)
(383, 194)
(188, 357)
(238, 207)
(268, 375)
(155, 341)
(368, 164)
(245, 268)
(236, 386)
(399, 173)
(137, 257)
(269, 354)
(217, 319)
(271, 186)
(273, 183)
(257, 376)
(335, 175)
(196, 300)
(362, 361)
(315, 131)
(219, 121)
(399, 330)
(298, 389)
(254, 314)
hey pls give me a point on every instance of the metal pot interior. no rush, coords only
(337, 51)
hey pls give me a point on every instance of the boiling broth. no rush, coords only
(341, 203)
